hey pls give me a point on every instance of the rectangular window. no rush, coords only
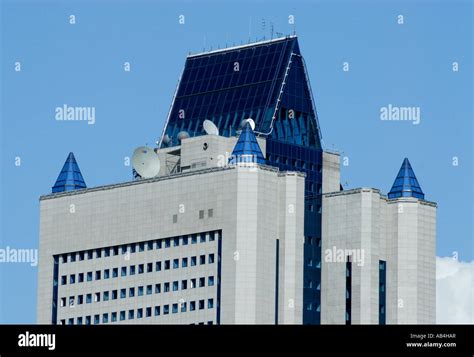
(133, 248)
(131, 314)
(183, 307)
(88, 320)
(63, 302)
(158, 266)
(201, 214)
(158, 244)
(201, 304)
(167, 264)
(210, 212)
(202, 259)
(141, 247)
(211, 237)
(105, 318)
(175, 218)
(64, 280)
(157, 311)
(115, 250)
(123, 293)
(184, 262)
(141, 268)
(210, 281)
(114, 272)
(193, 261)
(166, 287)
(114, 316)
(114, 294)
(106, 273)
(139, 313)
(107, 254)
(96, 319)
(98, 253)
(149, 267)
(166, 309)
(131, 292)
(97, 275)
(124, 271)
(149, 289)
(167, 242)
(175, 263)
(157, 288)
(184, 284)
(202, 238)
(193, 283)
(382, 291)
(72, 279)
(132, 269)
(193, 239)
(140, 291)
(192, 306)
(211, 258)
(79, 320)
(89, 254)
(210, 303)
(148, 311)
(88, 298)
(175, 285)
(176, 242)
(73, 257)
(149, 246)
(175, 309)
(97, 297)
(185, 240)
(122, 315)
(106, 296)
(81, 255)
(80, 299)
(202, 282)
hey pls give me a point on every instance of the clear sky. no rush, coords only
(82, 64)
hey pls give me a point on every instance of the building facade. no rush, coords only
(233, 227)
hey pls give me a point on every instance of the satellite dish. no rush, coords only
(145, 162)
(166, 139)
(183, 135)
(245, 121)
(210, 128)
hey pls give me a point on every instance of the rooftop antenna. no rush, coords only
(271, 30)
(294, 22)
(250, 27)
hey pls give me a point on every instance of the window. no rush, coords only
(106, 273)
(63, 302)
(183, 307)
(157, 288)
(139, 313)
(192, 306)
(98, 253)
(88, 298)
(176, 242)
(131, 314)
(210, 303)
(132, 269)
(97, 275)
(174, 309)
(175, 263)
(140, 291)
(114, 294)
(175, 218)
(210, 281)
(124, 249)
(149, 267)
(81, 255)
(184, 262)
(211, 258)
(193, 239)
(115, 250)
(73, 257)
(201, 304)
(131, 292)
(141, 247)
(71, 301)
(167, 264)
(158, 244)
(114, 316)
(88, 320)
(107, 254)
(123, 293)
(202, 282)
(89, 254)
(193, 261)
(166, 309)
(184, 284)
(149, 289)
(210, 212)
(89, 276)
(167, 243)
(202, 238)
(201, 214)
(64, 280)
(105, 318)
(124, 271)
(211, 237)
(157, 311)
(166, 287)
(122, 315)
(148, 311)
(202, 259)
(175, 285)
(133, 248)
(80, 299)
(193, 283)
(79, 320)
(141, 268)
(106, 296)
(114, 272)
(96, 319)
(158, 266)
(97, 297)
(149, 245)
(185, 240)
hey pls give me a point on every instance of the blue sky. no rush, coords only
(82, 65)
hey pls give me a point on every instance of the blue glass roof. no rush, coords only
(265, 81)
(247, 149)
(70, 177)
(406, 184)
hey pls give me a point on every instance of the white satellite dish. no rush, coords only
(145, 162)
(166, 139)
(210, 128)
(245, 121)
(183, 135)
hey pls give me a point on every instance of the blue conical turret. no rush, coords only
(247, 149)
(70, 177)
(406, 184)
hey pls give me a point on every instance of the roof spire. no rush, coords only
(246, 149)
(406, 184)
(70, 177)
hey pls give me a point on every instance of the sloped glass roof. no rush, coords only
(247, 149)
(231, 85)
(70, 178)
(406, 183)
